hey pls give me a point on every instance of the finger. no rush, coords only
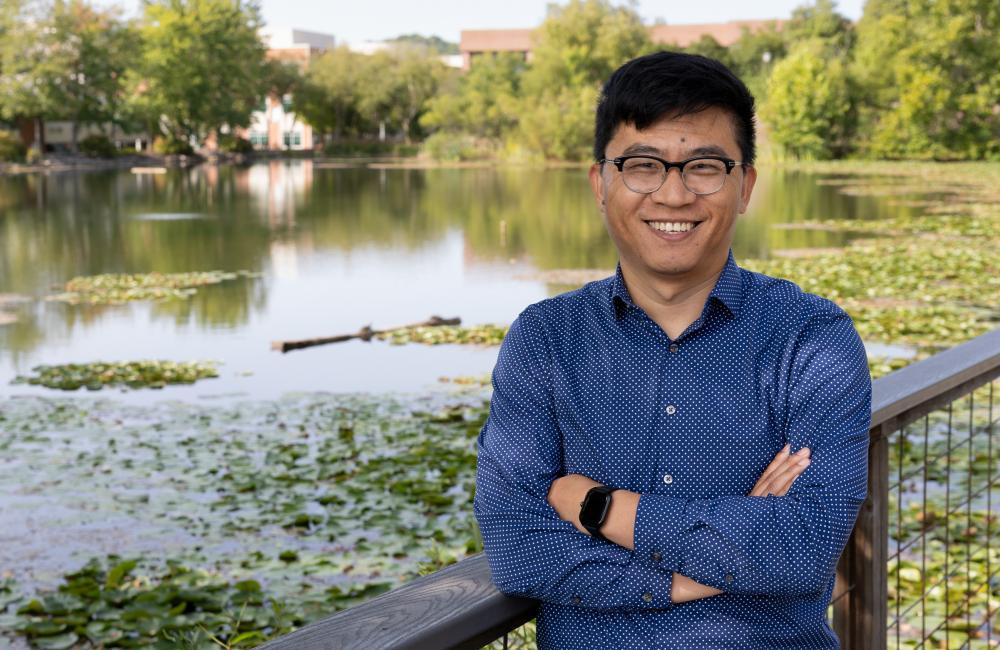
(779, 481)
(780, 458)
(782, 482)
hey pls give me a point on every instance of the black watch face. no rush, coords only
(595, 506)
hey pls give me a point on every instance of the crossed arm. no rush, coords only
(667, 549)
(567, 493)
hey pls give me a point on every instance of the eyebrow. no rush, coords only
(707, 150)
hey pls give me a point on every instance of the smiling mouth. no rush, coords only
(673, 226)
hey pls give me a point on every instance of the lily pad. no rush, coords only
(133, 374)
(115, 289)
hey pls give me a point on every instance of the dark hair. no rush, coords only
(672, 83)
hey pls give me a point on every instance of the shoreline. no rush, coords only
(64, 163)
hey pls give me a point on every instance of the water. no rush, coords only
(336, 248)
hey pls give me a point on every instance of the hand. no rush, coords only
(781, 473)
(567, 493)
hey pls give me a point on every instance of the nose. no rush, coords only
(673, 193)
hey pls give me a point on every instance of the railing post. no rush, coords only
(861, 620)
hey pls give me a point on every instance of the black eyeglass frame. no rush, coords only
(619, 162)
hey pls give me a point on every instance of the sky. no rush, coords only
(356, 21)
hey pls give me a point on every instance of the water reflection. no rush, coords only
(337, 248)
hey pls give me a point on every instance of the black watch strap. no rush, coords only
(594, 509)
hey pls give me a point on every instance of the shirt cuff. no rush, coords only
(661, 523)
(645, 588)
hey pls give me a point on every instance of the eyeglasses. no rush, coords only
(702, 175)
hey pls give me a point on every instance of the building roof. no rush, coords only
(496, 40)
(725, 33)
(520, 40)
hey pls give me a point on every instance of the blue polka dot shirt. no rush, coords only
(587, 383)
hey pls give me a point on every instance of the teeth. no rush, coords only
(671, 226)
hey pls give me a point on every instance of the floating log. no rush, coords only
(366, 333)
(148, 170)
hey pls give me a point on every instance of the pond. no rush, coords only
(321, 477)
(330, 248)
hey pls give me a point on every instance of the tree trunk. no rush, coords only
(381, 130)
(39, 143)
(74, 135)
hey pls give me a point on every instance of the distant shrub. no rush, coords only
(455, 147)
(97, 146)
(368, 148)
(11, 147)
(230, 143)
(171, 146)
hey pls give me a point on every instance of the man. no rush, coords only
(675, 456)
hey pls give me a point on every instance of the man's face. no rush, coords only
(630, 217)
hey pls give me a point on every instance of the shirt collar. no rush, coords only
(728, 289)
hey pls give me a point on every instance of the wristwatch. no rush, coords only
(594, 509)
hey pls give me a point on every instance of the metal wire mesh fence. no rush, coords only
(944, 489)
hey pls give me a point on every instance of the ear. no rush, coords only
(746, 188)
(597, 185)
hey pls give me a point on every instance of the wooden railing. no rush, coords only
(458, 607)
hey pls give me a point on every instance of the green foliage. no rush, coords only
(97, 146)
(62, 60)
(111, 604)
(11, 147)
(820, 21)
(316, 501)
(449, 146)
(708, 46)
(754, 55)
(201, 66)
(171, 146)
(576, 49)
(329, 94)
(232, 144)
(930, 75)
(809, 108)
(484, 102)
(346, 94)
(33, 63)
(133, 374)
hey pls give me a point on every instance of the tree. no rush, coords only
(820, 20)
(809, 108)
(576, 49)
(484, 102)
(33, 65)
(754, 56)
(97, 48)
(329, 95)
(708, 46)
(930, 75)
(416, 74)
(201, 66)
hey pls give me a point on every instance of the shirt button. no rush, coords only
(729, 578)
(674, 347)
(671, 409)
(648, 597)
(656, 557)
(668, 479)
(576, 600)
